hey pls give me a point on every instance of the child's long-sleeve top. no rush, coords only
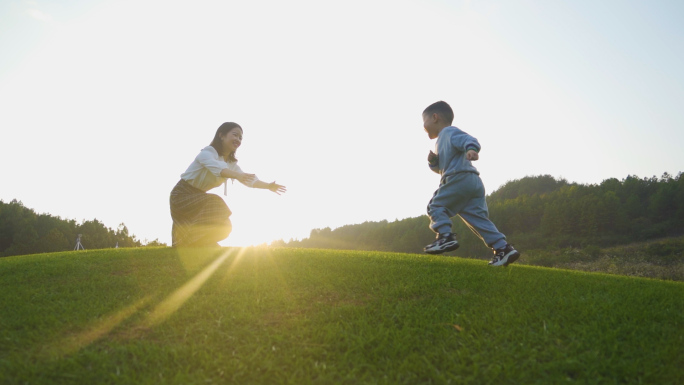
(451, 148)
(204, 172)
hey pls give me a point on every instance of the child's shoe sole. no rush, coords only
(514, 257)
(508, 259)
(451, 246)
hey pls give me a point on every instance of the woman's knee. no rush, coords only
(225, 229)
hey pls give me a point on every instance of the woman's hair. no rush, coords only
(217, 143)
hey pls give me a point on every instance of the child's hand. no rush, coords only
(432, 157)
(472, 155)
(276, 188)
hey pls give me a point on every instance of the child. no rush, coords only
(201, 219)
(460, 189)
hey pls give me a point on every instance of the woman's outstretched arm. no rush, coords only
(239, 175)
(276, 188)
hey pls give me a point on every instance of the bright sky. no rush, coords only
(104, 103)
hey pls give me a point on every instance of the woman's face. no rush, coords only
(232, 140)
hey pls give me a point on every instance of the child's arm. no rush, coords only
(466, 143)
(433, 162)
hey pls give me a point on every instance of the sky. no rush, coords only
(104, 103)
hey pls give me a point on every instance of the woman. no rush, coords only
(202, 219)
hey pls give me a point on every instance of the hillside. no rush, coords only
(538, 214)
(302, 316)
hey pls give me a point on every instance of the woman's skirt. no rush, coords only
(199, 219)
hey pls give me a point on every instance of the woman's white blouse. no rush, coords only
(204, 172)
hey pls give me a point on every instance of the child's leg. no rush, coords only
(451, 197)
(439, 214)
(476, 217)
(475, 214)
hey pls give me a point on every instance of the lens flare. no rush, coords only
(174, 301)
(75, 343)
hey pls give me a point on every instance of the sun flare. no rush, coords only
(174, 301)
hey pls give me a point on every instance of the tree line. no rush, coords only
(23, 231)
(537, 212)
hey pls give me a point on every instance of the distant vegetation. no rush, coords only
(565, 224)
(22, 231)
(540, 213)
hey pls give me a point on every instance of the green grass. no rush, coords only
(661, 259)
(303, 316)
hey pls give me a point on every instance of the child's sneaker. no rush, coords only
(445, 242)
(504, 256)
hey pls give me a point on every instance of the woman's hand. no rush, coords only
(276, 188)
(472, 155)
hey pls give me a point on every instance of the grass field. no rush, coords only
(299, 316)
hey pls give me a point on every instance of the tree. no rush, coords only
(22, 231)
(539, 212)
(54, 240)
(24, 240)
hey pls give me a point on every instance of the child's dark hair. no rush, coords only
(443, 109)
(217, 143)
